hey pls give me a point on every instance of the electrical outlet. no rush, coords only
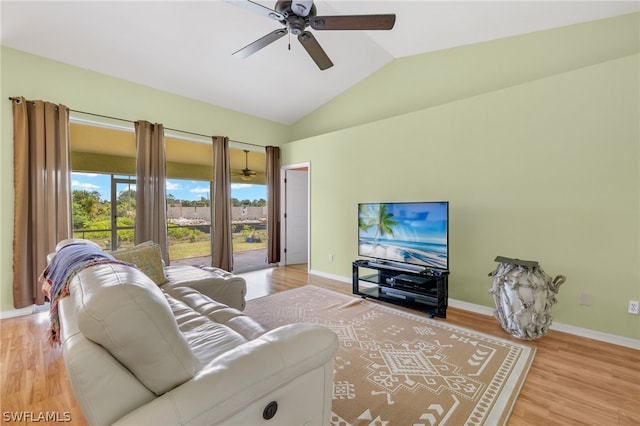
(330, 258)
(634, 307)
(584, 299)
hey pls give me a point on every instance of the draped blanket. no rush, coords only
(68, 261)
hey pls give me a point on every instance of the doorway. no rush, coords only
(295, 214)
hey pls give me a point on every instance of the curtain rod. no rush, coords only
(131, 121)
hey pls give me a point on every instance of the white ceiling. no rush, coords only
(184, 47)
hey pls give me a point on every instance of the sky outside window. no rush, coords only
(181, 189)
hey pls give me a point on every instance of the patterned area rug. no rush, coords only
(399, 368)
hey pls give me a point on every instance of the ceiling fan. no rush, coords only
(297, 15)
(246, 173)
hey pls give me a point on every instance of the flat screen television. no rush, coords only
(409, 233)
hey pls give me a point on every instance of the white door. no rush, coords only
(296, 214)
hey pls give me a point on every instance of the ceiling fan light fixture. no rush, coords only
(301, 7)
(296, 25)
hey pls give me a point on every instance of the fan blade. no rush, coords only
(314, 50)
(257, 8)
(353, 22)
(252, 48)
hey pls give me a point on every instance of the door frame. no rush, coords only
(283, 205)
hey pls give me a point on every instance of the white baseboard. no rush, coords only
(597, 335)
(18, 312)
(24, 311)
(472, 307)
(485, 310)
(331, 276)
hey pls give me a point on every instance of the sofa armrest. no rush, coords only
(240, 380)
(215, 283)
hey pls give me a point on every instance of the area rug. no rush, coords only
(399, 368)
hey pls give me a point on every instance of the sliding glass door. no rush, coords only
(189, 221)
(123, 211)
(249, 225)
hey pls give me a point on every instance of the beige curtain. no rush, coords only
(151, 197)
(221, 242)
(273, 206)
(42, 191)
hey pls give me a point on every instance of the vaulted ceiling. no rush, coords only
(186, 47)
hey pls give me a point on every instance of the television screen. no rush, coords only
(413, 233)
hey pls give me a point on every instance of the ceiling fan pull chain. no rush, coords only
(289, 41)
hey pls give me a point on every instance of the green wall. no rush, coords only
(422, 81)
(546, 169)
(38, 78)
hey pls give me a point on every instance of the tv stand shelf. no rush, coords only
(423, 289)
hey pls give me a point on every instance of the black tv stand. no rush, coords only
(424, 289)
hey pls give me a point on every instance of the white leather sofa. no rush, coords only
(141, 354)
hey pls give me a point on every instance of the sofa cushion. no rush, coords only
(210, 328)
(147, 257)
(121, 309)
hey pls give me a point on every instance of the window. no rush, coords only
(103, 184)
(104, 208)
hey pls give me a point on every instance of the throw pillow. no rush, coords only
(147, 257)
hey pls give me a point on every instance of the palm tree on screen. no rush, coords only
(379, 217)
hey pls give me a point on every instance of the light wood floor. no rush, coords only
(573, 380)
